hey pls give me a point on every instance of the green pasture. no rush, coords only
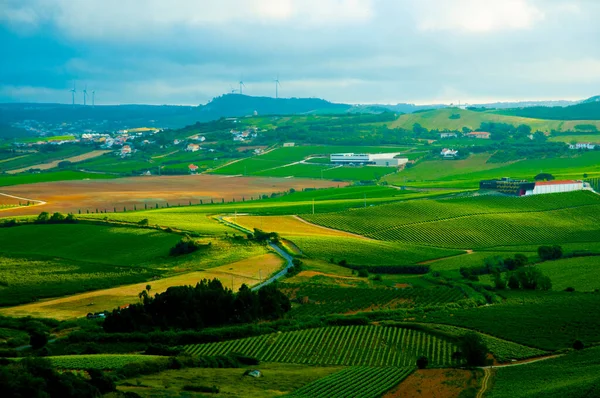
(28, 278)
(57, 153)
(545, 320)
(67, 175)
(98, 361)
(475, 259)
(568, 139)
(574, 375)
(580, 273)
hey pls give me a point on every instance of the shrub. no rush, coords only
(195, 388)
(422, 362)
(578, 345)
(570, 289)
(550, 252)
(363, 273)
(474, 349)
(37, 339)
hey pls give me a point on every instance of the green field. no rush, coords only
(552, 320)
(468, 172)
(119, 246)
(477, 222)
(25, 279)
(272, 163)
(567, 139)
(475, 259)
(357, 381)
(367, 252)
(579, 273)
(339, 345)
(98, 361)
(440, 119)
(26, 178)
(55, 153)
(324, 300)
(574, 375)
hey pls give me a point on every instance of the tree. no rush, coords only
(422, 362)
(539, 136)
(544, 177)
(578, 345)
(37, 339)
(57, 218)
(499, 283)
(550, 252)
(64, 164)
(474, 349)
(363, 273)
(44, 217)
(513, 282)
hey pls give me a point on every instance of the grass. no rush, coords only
(233, 275)
(362, 382)
(580, 273)
(26, 178)
(567, 139)
(476, 222)
(278, 379)
(366, 252)
(62, 152)
(339, 345)
(440, 119)
(476, 259)
(27, 279)
(98, 361)
(545, 320)
(468, 172)
(576, 374)
(91, 243)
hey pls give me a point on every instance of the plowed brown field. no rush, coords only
(70, 196)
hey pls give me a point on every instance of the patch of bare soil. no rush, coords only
(436, 383)
(70, 196)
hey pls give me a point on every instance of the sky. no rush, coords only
(351, 51)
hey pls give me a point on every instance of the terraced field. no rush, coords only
(339, 345)
(323, 300)
(476, 222)
(359, 381)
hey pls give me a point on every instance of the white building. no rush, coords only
(193, 148)
(448, 135)
(582, 145)
(448, 153)
(542, 187)
(374, 159)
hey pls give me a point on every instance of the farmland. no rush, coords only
(576, 374)
(578, 273)
(356, 381)
(339, 345)
(97, 361)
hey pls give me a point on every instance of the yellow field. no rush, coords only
(286, 226)
(248, 271)
(53, 164)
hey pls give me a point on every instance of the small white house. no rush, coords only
(193, 148)
(582, 145)
(448, 153)
(288, 144)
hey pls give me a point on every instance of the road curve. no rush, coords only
(288, 259)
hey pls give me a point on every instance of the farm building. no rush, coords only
(193, 148)
(193, 168)
(542, 187)
(582, 145)
(523, 187)
(377, 159)
(448, 153)
(448, 135)
(288, 144)
(478, 134)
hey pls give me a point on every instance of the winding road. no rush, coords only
(273, 246)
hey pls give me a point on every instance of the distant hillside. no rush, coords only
(456, 119)
(586, 110)
(243, 105)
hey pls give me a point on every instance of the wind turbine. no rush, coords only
(93, 97)
(241, 85)
(277, 85)
(73, 93)
(85, 95)
(233, 90)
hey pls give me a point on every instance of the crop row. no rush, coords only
(375, 222)
(97, 361)
(364, 382)
(338, 345)
(319, 300)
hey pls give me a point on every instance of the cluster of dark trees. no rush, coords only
(208, 304)
(36, 378)
(56, 218)
(526, 278)
(550, 252)
(494, 265)
(261, 236)
(188, 245)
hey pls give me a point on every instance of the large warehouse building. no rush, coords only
(523, 187)
(374, 159)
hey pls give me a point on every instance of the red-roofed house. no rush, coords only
(542, 187)
(479, 134)
(193, 168)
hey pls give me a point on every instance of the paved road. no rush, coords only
(288, 259)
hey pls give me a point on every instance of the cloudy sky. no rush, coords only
(355, 51)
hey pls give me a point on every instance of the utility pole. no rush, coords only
(313, 206)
